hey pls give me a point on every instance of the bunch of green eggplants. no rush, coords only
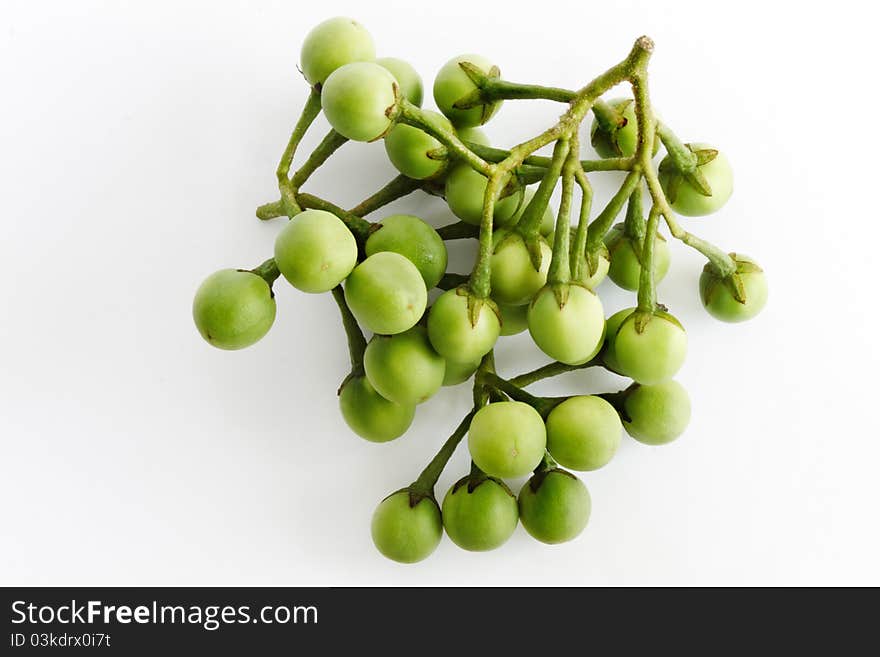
(537, 270)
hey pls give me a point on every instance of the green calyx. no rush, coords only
(546, 467)
(738, 296)
(476, 478)
(476, 303)
(734, 282)
(416, 494)
(679, 171)
(641, 319)
(478, 97)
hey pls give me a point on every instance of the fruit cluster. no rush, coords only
(536, 270)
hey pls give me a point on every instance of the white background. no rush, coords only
(136, 140)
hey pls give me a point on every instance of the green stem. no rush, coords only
(722, 262)
(329, 145)
(494, 89)
(581, 270)
(290, 188)
(357, 344)
(310, 110)
(270, 211)
(685, 160)
(480, 281)
(361, 228)
(397, 188)
(581, 103)
(498, 155)
(476, 476)
(481, 392)
(541, 404)
(560, 268)
(429, 476)
(415, 116)
(602, 223)
(268, 271)
(551, 370)
(634, 224)
(645, 120)
(647, 283)
(529, 223)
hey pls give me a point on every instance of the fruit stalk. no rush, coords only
(398, 187)
(647, 296)
(412, 115)
(429, 476)
(581, 268)
(495, 89)
(719, 259)
(560, 268)
(541, 404)
(357, 344)
(602, 223)
(309, 112)
(551, 370)
(530, 221)
(268, 271)
(496, 155)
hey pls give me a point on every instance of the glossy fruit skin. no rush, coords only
(689, 201)
(719, 300)
(386, 293)
(453, 84)
(654, 355)
(548, 220)
(464, 191)
(583, 433)
(410, 148)
(408, 79)
(459, 372)
(514, 278)
(334, 43)
(514, 319)
(623, 142)
(451, 332)
(233, 309)
(404, 368)
(658, 414)
(473, 135)
(612, 325)
(415, 240)
(480, 518)
(554, 507)
(370, 415)
(405, 533)
(507, 439)
(625, 267)
(571, 334)
(358, 100)
(315, 251)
